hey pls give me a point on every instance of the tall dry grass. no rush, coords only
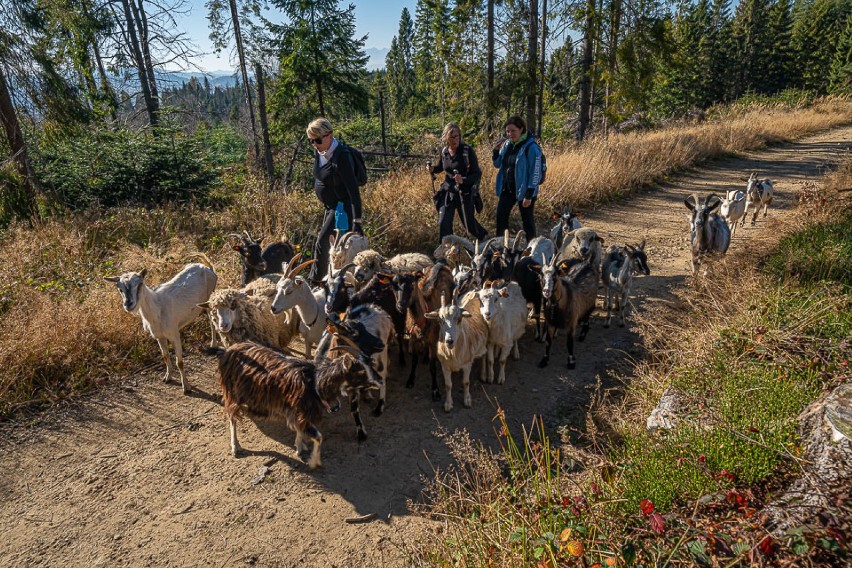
(64, 329)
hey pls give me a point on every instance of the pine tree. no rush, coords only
(423, 59)
(841, 66)
(754, 41)
(322, 63)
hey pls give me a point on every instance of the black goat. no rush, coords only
(255, 262)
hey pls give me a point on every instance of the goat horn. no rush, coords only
(345, 239)
(506, 239)
(345, 348)
(292, 262)
(518, 238)
(443, 299)
(239, 236)
(348, 342)
(295, 272)
(248, 237)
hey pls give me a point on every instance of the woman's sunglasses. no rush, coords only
(317, 140)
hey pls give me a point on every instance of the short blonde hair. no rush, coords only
(449, 129)
(319, 128)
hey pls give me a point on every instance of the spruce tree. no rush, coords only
(322, 64)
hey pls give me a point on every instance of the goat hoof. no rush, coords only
(409, 384)
(362, 436)
(543, 363)
(187, 391)
(380, 408)
(621, 324)
(436, 396)
(572, 364)
(606, 326)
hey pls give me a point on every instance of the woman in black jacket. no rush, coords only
(459, 191)
(335, 185)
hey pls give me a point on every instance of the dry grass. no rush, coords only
(63, 326)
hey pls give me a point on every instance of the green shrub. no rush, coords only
(112, 167)
(820, 253)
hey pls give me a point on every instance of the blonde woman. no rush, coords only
(459, 191)
(336, 187)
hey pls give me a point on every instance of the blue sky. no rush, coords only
(379, 19)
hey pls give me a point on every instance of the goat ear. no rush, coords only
(599, 239)
(641, 246)
(204, 305)
(112, 278)
(431, 315)
(237, 248)
(142, 273)
(689, 204)
(504, 292)
(536, 267)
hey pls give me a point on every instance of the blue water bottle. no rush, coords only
(341, 219)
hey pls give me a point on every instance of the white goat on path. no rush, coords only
(733, 209)
(504, 310)
(462, 340)
(168, 308)
(758, 192)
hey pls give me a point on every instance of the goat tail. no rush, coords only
(204, 260)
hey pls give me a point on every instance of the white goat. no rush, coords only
(540, 246)
(463, 340)
(293, 293)
(617, 270)
(168, 308)
(733, 209)
(758, 192)
(343, 249)
(504, 309)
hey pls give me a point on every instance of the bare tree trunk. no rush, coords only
(532, 66)
(238, 38)
(22, 204)
(586, 71)
(144, 45)
(264, 125)
(140, 64)
(289, 177)
(491, 95)
(543, 57)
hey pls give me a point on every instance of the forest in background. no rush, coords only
(88, 120)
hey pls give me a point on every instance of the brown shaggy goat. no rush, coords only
(263, 381)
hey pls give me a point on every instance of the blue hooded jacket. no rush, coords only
(527, 167)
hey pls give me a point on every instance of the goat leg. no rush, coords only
(549, 332)
(314, 435)
(572, 361)
(433, 371)
(356, 414)
(235, 445)
(415, 359)
(448, 388)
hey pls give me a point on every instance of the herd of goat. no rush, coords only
(470, 301)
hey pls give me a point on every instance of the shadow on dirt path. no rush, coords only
(138, 474)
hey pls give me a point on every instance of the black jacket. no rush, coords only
(335, 182)
(465, 162)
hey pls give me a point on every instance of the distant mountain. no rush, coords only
(377, 58)
(216, 78)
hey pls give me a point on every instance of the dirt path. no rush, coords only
(141, 475)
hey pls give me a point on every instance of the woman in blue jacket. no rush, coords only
(519, 160)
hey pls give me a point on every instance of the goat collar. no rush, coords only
(316, 315)
(421, 323)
